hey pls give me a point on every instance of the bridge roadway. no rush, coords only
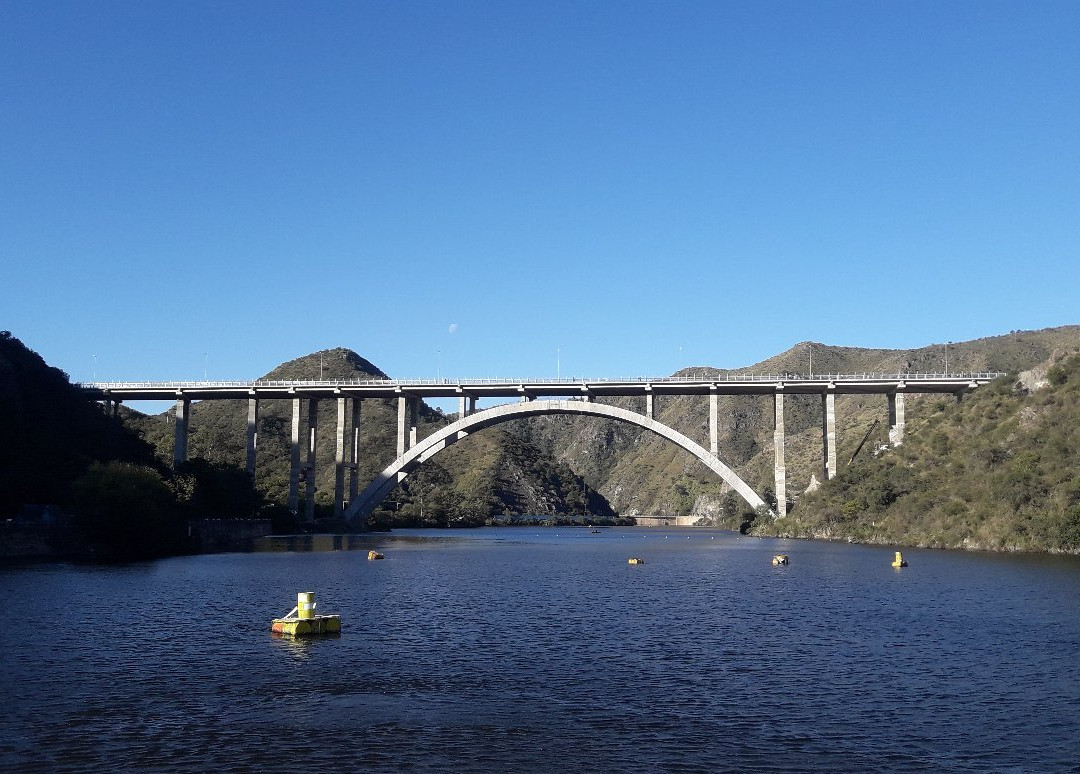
(725, 384)
(563, 396)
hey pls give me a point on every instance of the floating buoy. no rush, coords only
(899, 560)
(780, 559)
(302, 620)
(636, 560)
(372, 555)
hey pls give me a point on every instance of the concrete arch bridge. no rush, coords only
(530, 398)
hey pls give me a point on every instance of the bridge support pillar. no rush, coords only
(896, 418)
(183, 410)
(252, 434)
(779, 470)
(294, 459)
(649, 405)
(401, 425)
(339, 459)
(354, 481)
(309, 469)
(406, 417)
(714, 433)
(828, 434)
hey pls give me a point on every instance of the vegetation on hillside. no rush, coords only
(49, 433)
(996, 471)
(491, 476)
(59, 449)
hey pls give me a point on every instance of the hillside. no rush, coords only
(997, 471)
(492, 473)
(49, 434)
(641, 474)
(77, 484)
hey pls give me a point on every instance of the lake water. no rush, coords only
(544, 650)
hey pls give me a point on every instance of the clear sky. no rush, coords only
(530, 188)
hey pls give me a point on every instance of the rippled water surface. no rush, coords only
(526, 650)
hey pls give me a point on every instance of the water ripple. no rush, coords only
(550, 653)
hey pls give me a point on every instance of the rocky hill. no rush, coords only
(997, 472)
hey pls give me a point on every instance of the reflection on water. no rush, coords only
(543, 650)
(302, 648)
(315, 543)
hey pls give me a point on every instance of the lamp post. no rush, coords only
(95, 366)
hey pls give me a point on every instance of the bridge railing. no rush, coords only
(685, 379)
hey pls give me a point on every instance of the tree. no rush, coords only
(128, 510)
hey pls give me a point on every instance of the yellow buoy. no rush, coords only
(305, 605)
(636, 560)
(899, 560)
(302, 619)
(780, 559)
(374, 555)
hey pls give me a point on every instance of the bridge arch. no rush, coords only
(400, 468)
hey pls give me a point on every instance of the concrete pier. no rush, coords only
(294, 458)
(828, 435)
(896, 418)
(180, 445)
(354, 457)
(401, 411)
(339, 458)
(650, 407)
(779, 469)
(309, 469)
(714, 432)
(407, 420)
(252, 434)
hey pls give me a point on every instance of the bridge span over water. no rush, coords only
(527, 397)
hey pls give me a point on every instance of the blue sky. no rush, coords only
(523, 189)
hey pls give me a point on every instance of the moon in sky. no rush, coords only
(453, 328)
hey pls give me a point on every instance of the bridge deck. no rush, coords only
(733, 384)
